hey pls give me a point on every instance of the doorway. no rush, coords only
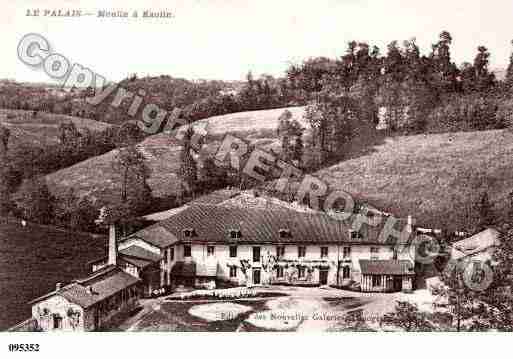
(323, 277)
(256, 276)
(398, 283)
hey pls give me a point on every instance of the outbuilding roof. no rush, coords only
(142, 253)
(389, 267)
(157, 235)
(95, 288)
(478, 243)
(135, 255)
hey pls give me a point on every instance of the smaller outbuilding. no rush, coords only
(479, 247)
(87, 304)
(386, 275)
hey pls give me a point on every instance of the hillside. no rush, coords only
(34, 258)
(432, 177)
(253, 124)
(43, 128)
(96, 178)
(428, 176)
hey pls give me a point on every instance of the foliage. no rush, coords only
(408, 317)
(355, 321)
(469, 112)
(486, 213)
(35, 202)
(290, 133)
(188, 171)
(509, 73)
(135, 193)
(333, 120)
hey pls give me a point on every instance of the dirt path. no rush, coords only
(148, 306)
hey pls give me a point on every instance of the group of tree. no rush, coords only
(25, 160)
(474, 295)
(24, 192)
(406, 90)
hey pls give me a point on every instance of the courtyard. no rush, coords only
(280, 308)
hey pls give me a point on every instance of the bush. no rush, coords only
(473, 112)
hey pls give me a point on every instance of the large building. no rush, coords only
(206, 245)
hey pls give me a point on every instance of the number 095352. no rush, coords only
(23, 347)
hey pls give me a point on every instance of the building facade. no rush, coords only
(205, 246)
(87, 304)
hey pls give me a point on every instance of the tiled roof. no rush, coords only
(156, 235)
(135, 255)
(213, 198)
(212, 224)
(390, 267)
(477, 243)
(139, 252)
(139, 263)
(216, 197)
(93, 289)
(159, 216)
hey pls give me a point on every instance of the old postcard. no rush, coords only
(255, 166)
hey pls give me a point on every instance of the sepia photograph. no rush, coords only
(330, 166)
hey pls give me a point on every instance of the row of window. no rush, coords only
(284, 233)
(280, 252)
(346, 272)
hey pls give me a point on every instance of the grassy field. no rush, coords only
(34, 258)
(96, 178)
(43, 128)
(256, 123)
(432, 177)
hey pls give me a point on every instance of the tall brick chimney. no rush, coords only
(113, 246)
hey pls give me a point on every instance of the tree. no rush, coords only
(68, 134)
(468, 77)
(484, 78)
(462, 299)
(135, 193)
(509, 212)
(509, 73)
(5, 133)
(354, 321)
(290, 133)
(66, 209)
(188, 172)
(441, 57)
(497, 296)
(6, 205)
(36, 202)
(408, 317)
(333, 119)
(85, 215)
(128, 133)
(129, 163)
(486, 213)
(212, 176)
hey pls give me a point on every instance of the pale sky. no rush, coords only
(223, 39)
